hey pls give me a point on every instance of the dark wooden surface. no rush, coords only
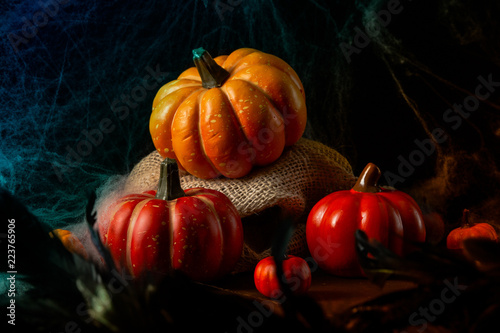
(334, 294)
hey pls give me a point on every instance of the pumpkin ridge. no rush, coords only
(280, 111)
(178, 118)
(254, 86)
(130, 231)
(199, 87)
(174, 115)
(293, 76)
(226, 132)
(257, 87)
(171, 216)
(200, 139)
(362, 201)
(396, 229)
(299, 88)
(241, 59)
(110, 217)
(268, 99)
(332, 203)
(112, 233)
(175, 222)
(211, 207)
(184, 256)
(176, 87)
(234, 65)
(240, 126)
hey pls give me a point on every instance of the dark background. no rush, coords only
(65, 75)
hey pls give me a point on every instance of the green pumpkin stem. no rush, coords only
(169, 186)
(212, 75)
(367, 180)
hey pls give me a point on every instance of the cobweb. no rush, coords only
(85, 68)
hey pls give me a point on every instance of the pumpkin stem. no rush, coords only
(367, 181)
(212, 75)
(169, 187)
(466, 218)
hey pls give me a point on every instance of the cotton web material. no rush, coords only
(86, 63)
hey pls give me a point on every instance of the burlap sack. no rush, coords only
(305, 173)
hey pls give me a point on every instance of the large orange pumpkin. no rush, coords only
(228, 114)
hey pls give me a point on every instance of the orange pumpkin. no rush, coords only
(455, 238)
(70, 242)
(228, 114)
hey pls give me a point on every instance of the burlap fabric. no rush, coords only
(305, 173)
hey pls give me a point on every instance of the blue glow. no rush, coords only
(77, 89)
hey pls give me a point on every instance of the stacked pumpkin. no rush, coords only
(220, 118)
(229, 113)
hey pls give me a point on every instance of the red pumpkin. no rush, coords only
(455, 238)
(228, 114)
(390, 216)
(198, 231)
(434, 227)
(297, 274)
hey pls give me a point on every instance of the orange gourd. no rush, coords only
(455, 238)
(70, 242)
(228, 114)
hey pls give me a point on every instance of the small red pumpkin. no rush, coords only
(455, 238)
(297, 274)
(390, 216)
(197, 231)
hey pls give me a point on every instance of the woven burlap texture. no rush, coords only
(305, 173)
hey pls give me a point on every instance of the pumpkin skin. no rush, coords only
(434, 227)
(243, 117)
(199, 234)
(296, 270)
(390, 216)
(70, 242)
(454, 240)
